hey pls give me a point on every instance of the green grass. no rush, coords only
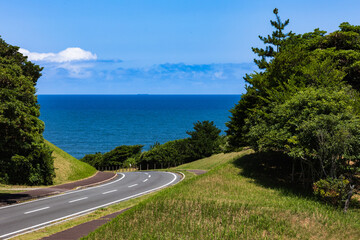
(210, 162)
(68, 168)
(230, 203)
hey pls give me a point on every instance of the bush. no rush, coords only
(120, 156)
(168, 154)
(94, 160)
(332, 190)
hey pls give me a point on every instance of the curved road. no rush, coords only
(18, 218)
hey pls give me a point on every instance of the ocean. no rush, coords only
(83, 124)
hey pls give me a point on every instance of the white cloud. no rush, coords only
(67, 55)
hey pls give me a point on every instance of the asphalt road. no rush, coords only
(23, 217)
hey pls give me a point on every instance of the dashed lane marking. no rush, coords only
(36, 210)
(109, 191)
(78, 199)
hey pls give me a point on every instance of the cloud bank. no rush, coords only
(67, 55)
(76, 71)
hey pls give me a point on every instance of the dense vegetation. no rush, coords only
(304, 102)
(24, 157)
(121, 156)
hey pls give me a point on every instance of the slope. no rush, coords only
(68, 168)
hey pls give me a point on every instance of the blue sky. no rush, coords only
(154, 47)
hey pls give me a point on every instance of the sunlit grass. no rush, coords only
(225, 204)
(68, 168)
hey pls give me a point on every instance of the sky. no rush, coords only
(154, 46)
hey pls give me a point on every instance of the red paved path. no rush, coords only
(83, 229)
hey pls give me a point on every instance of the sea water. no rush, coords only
(83, 124)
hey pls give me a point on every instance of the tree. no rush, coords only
(305, 103)
(116, 157)
(204, 140)
(252, 99)
(275, 40)
(309, 59)
(24, 157)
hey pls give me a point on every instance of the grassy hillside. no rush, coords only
(210, 162)
(231, 202)
(68, 168)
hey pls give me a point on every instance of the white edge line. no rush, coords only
(91, 209)
(182, 175)
(109, 191)
(55, 223)
(36, 210)
(65, 193)
(76, 200)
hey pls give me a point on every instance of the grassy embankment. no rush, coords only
(234, 200)
(67, 169)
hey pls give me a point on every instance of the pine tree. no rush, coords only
(275, 40)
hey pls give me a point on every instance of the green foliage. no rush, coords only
(120, 156)
(168, 154)
(275, 40)
(204, 140)
(332, 190)
(25, 159)
(318, 126)
(94, 160)
(305, 102)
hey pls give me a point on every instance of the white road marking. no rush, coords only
(145, 180)
(109, 191)
(78, 199)
(146, 173)
(66, 193)
(133, 185)
(149, 176)
(90, 209)
(36, 210)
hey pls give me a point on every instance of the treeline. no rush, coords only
(304, 102)
(203, 141)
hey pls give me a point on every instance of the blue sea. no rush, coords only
(83, 124)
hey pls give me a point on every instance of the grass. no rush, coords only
(230, 203)
(210, 162)
(68, 168)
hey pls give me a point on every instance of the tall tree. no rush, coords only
(24, 157)
(252, 99)
(275, 40)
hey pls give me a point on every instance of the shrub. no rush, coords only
(332, 190)
(119, 156)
